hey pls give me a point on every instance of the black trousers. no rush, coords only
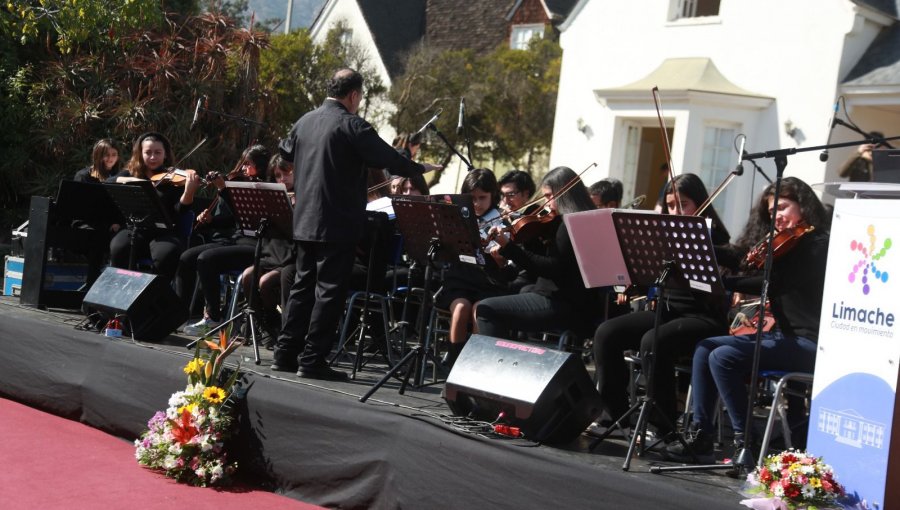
(208, 261)
(315, 303)
(162, 247)
(678, 335)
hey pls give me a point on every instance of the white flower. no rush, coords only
(177, 400)
(175, 449)
(200, 472)
(808, 491)
(778, 492)
(169, 462)
(217, 470)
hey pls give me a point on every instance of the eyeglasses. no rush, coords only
(510, 194)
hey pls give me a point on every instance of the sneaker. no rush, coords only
(201, 327)
(696, 448)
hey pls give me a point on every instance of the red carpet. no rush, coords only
(50, 462)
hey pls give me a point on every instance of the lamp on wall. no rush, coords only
(583, 127)
(790, 129)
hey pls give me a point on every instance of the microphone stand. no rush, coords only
(744, 461)
(451, 147)
(245, 123)
(877, 139)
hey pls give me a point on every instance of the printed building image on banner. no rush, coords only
(855, 384)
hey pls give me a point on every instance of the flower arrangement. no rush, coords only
(187, 441)
(792, 480)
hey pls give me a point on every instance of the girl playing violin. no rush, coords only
(558, 300)
(226, 250)
(687, 316)
(721, 364)
(152, 155)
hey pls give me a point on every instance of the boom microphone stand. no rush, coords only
(744, 460)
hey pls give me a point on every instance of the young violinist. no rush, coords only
(104, 162)
(558, 300)
(277, 254)
(465, 284)
(687, 316)
(227, 249)
(152, 155)
(516, 188)
(721, 364)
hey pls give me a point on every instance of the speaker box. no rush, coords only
(152, 308)
(547, 393)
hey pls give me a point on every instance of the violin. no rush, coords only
(172, 176)
(747, 319)
(783, 242)
(530, 226)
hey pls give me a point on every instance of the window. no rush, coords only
(521, 35)
(718, 155)
(694, 9)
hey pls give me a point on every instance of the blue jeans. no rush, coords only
(723, 363)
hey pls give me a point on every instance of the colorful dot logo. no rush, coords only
(866, 264)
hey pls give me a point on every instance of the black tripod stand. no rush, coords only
(268, 207)
(433, 232)
(377, 224)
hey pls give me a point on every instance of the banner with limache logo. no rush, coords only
(855, 387)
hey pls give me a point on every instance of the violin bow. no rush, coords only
(569, 185)
(665, 141)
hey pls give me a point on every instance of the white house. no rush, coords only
(771, 70)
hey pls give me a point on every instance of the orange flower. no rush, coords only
(182, 429)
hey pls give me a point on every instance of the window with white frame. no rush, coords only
(521, 35)
(718, 154)
(681, 9)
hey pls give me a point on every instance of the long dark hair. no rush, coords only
(691, 186)
(98, 169)
(794, 189)
(136, 167)
(259, 156)
(577, 199)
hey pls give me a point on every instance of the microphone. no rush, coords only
(739, 169)
(823, 157)
(430, 121)
(462, 115)
(197, 112)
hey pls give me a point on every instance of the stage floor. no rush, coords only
(315, 441)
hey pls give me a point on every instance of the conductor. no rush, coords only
(332, 150)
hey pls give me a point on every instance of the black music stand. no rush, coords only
(432, 232)
(261, 210)
(666, 252)
(140, 205)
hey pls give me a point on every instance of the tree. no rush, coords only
(510, 100)
(295, 70)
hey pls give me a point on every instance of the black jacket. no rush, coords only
(332, 150)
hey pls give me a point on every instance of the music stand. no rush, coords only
(141, 207)
(432, 232)
(662, 251)
(261, 210)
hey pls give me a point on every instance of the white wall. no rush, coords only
(795, 52)
(348, 11)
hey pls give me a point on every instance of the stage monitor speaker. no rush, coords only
(547, 393)
(152, 308)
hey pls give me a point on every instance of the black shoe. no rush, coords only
(283, 366)
(699, 448)
(322, 372)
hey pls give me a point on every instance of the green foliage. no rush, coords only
(510, 100)
(294, 71)
(70, 23)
